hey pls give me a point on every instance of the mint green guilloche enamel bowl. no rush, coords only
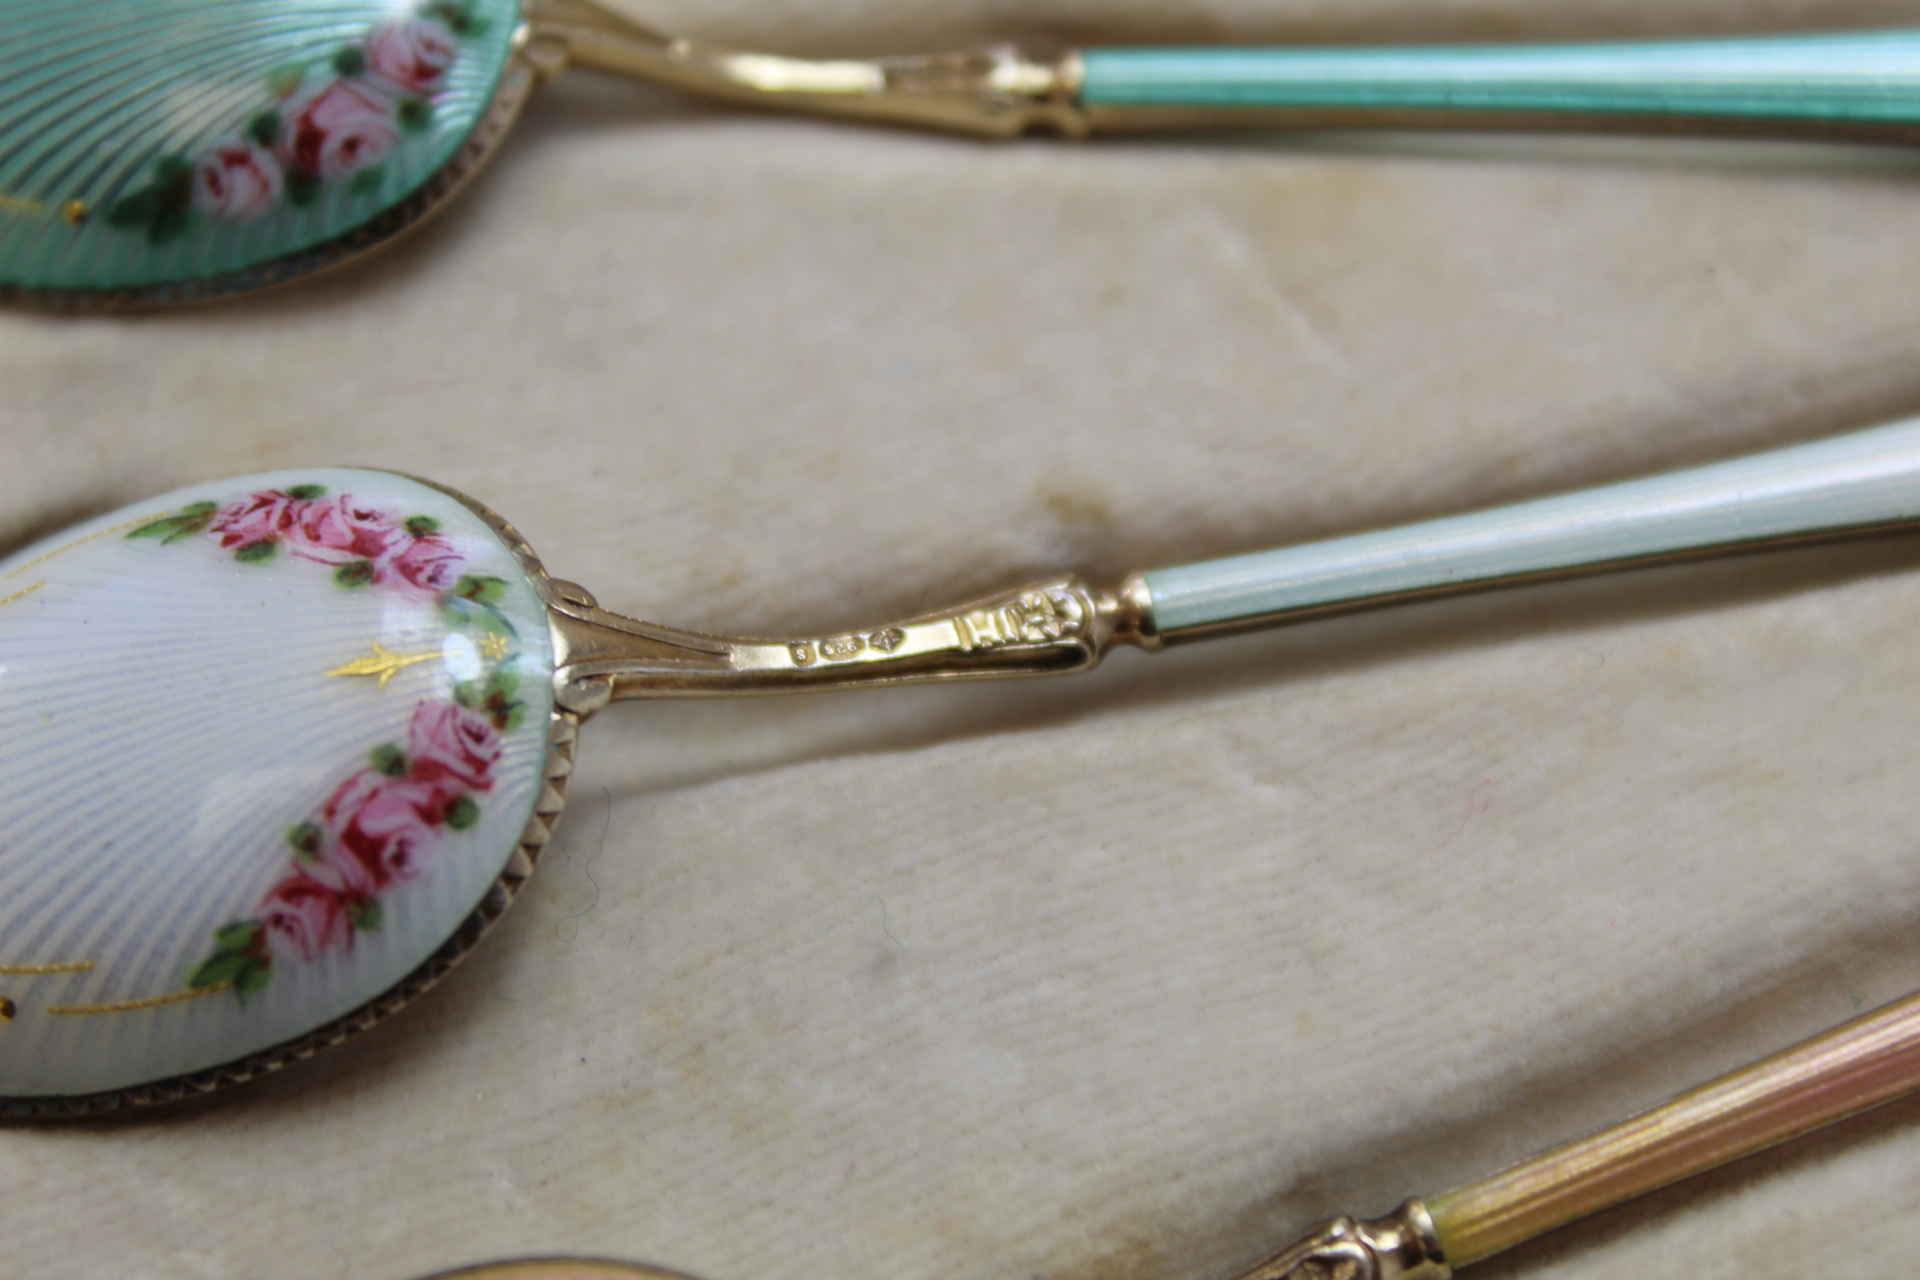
(170, 144)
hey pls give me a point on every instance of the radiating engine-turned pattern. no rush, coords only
(264, 745)
(150, 141)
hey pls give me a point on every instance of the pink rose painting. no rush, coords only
(388, 828)
(332, 120)
(366, 545)
(380, 829)
(386, 821)
(304, 918)
(414, 55)
(337, 129)
(340, 530)
(259, 519)
(450, 742)
(427, 564)
(236, 182)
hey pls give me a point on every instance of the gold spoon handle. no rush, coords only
(996, 92)
(1872, 1060)
(1861, 1064)
(1859, 85)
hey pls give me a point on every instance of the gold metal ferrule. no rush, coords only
(995, 92)
(1400, 1246)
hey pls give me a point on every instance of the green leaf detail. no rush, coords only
(421, 526)
(257, 552)
(264, 127)
(459, 15)
(252, 976)
(307, 492)
(463, 813)
(164, 206)
(241, 935)
(466, 615)
(389, 759)
(494, 699)
(240, 957)
(481, 588)
(186, 522)
(355, 573)
(367, 915)
(135, 210)
(222, 966)
(415, 115)
(171, 173)
(285, 78)
(350, 61)
(302, 188)
(306, 840)
(368, 181)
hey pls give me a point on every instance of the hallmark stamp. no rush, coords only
(841, 648)
(1034, 618)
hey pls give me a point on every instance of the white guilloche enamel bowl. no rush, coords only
(273, 752)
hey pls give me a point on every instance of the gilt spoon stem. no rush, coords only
(1860, 483)
(1863, 84)
(1871, 1060)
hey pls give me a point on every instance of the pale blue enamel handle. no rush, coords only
(1860, 481)
(1866, 78)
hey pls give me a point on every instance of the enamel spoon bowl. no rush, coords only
(276, 751)
(186, 879)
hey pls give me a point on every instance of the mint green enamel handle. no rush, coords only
(1861, 481)
(1865, 78)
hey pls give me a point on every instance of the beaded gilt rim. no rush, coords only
(562, 737)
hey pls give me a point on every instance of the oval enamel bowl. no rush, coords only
(161, 150)
(273, 753)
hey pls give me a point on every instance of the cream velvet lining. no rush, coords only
(1134, 976)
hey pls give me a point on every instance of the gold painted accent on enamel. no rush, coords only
(25, 591)
(71, 966)
(74, 211)
(384, 663)
(81, 542)
(150, 1002)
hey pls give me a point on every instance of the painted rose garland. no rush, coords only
(365, 545)
(335, 128)
(382, 824)
(379, 829)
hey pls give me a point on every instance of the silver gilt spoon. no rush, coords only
(157, 152)
(277, 751)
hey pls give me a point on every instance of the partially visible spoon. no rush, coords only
(1862, 1064)
(152, 154)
